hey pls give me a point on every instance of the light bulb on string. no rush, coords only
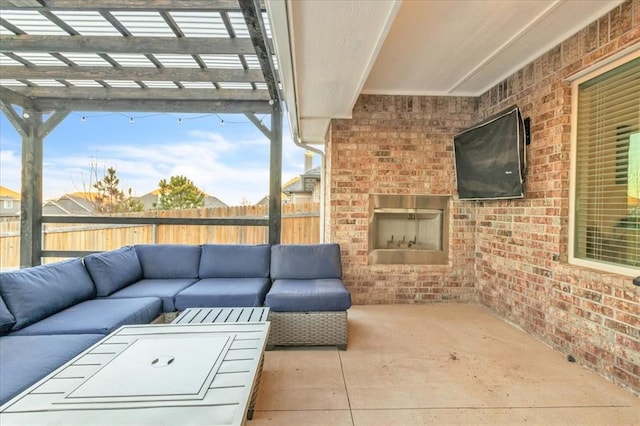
(131, 120)
(179, 120)
(221, 123)
(83, 119)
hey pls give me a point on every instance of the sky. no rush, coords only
(224, 155)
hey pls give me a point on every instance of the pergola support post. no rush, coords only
(275, 181)
(31, 191)
(33, 129)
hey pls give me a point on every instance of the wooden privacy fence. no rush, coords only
(300, 225)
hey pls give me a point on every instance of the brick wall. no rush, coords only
(509, 255)
(521, 263)
(399, 145)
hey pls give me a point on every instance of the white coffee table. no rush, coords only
(151, 374)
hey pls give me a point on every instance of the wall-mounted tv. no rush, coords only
(490, 158)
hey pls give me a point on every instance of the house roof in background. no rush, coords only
(77, 203)
(297, 184)
(9, 193)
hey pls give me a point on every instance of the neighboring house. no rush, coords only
(9, 202)
(150, 200)
(264, 201)
(304, 188)
(74, 204)
(301, 189)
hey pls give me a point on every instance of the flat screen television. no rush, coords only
(490, 158)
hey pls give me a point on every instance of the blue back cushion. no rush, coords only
(305, 262)
(113, 270)
(35, 293)
(235, 261)
(6, 318)
(169, 260)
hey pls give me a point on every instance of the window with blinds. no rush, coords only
(607, 168)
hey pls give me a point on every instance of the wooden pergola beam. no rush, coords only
(263, 50)
(146, 105)
(132, 5)
(113, 93)
(106, 44)
(12, 97)
(130, 73)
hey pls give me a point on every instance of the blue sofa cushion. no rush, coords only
(113, 270)
(169, 260)
(27, 359)
(166, 290)
(308, 295)
(305, 261)
(35, 293)
(223, 292)
(97, 316)
(235, 261)
(6, 318)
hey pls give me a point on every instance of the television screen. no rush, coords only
(490, 158)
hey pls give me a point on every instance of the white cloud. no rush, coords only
(231, 170)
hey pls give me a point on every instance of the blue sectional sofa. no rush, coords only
(53, 312)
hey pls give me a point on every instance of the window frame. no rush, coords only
(590, 73)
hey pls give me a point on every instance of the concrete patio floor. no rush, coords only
(435, 364)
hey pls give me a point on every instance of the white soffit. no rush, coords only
(463, 48)
(339, 49)
(334, 46)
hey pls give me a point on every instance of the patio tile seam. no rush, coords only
(346, 390)
(514, 407)
(301, 410)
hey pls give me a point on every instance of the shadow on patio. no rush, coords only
(435, 364)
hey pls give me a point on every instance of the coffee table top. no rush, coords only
(158, 374)
(222, 315)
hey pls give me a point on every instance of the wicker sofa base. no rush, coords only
(308, 329)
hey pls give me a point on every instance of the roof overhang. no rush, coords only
(332, 51)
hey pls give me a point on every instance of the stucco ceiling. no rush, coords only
(332, 51)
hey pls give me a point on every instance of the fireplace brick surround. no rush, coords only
(510, 256)
(400, 146)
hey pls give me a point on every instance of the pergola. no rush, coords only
(164, 56)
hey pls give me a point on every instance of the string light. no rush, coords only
(180, 120)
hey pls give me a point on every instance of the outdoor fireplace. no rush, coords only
(409, 229)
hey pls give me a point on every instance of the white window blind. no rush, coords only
(607, 186)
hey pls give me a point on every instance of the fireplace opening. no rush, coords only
(409, 229)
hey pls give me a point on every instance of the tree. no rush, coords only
(110, 198)
(179, 193)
